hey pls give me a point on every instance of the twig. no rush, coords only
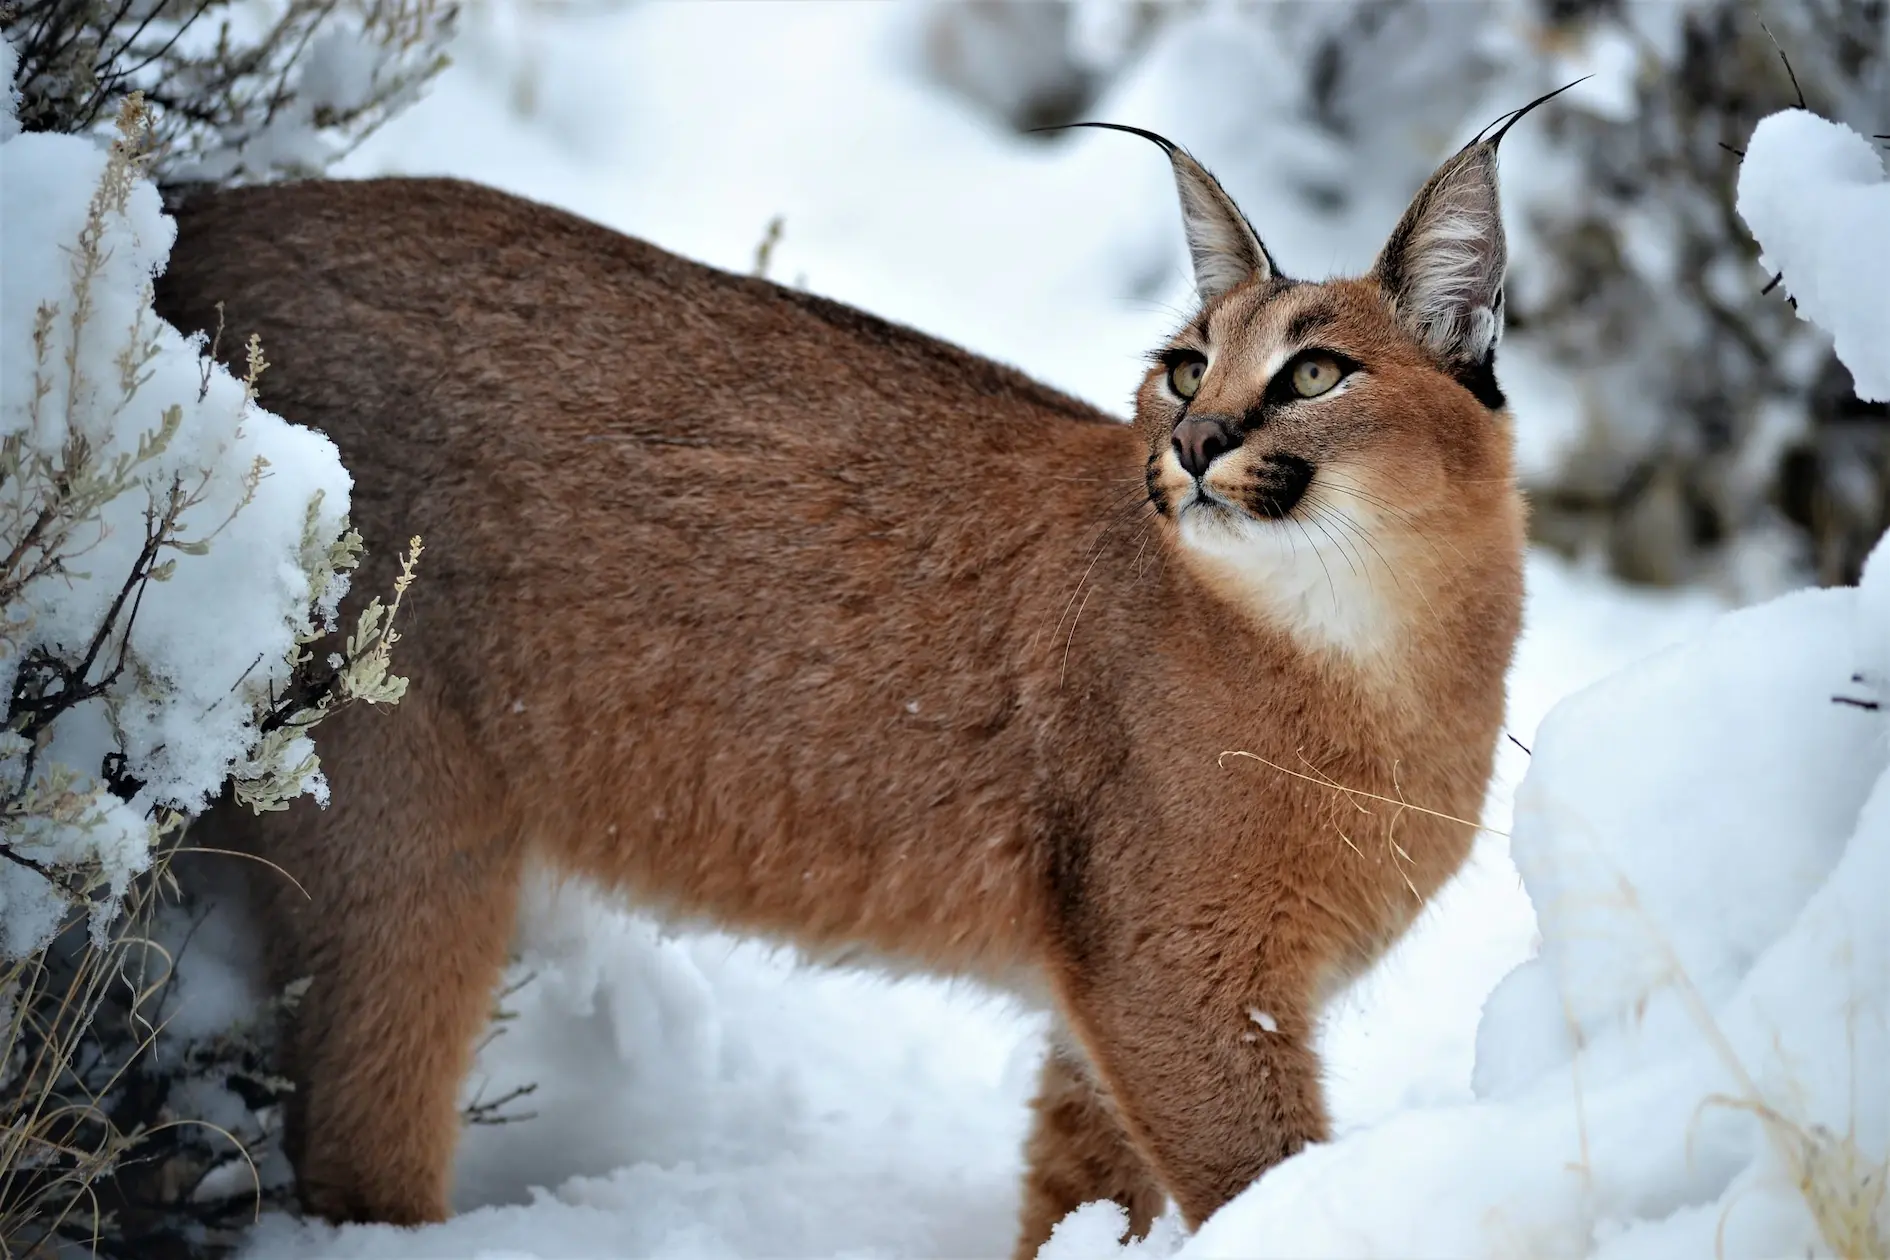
(1788, 65)
(478, 1112)
(44, 872)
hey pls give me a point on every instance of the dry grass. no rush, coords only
(77, 1021)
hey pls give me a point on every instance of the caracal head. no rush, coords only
(1334, 456)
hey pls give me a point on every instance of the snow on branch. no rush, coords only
(1815, 194)
(234, 92)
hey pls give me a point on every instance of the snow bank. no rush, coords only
(106, 414)
(1815, 195)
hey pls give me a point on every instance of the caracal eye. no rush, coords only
(1315, 375)
(1186, 377)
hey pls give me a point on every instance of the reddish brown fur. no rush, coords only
(764, 611)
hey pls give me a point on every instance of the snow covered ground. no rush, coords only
(700, 1097)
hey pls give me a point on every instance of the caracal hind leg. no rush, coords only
(1078, 1154)
(412, 887)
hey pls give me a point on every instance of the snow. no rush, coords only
(103, 378)
(1675, 917)
(1815, 195)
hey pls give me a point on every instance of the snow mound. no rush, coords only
(1815, 195)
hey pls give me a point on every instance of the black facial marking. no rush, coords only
(1279, 484)
(1480, 380)
(1307, 325)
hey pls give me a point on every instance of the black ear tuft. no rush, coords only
(1226, 250)
(1444, 264)
(1480, 379)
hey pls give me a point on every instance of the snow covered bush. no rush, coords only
(1697, 1060)
(236, 92)
(168, 544)
(170, 553)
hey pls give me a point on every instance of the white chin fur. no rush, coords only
(1309, 575)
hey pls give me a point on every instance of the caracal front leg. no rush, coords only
(1200, 1028)
(399, 920)
(1078, 1154)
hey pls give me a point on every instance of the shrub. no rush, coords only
(234, 94)
(157, 655)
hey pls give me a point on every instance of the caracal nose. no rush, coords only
(1198, 439)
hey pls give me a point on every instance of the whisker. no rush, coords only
(1362, 535)
(1076, 621)
(1119, 516)
(1330, 585)
(1402, 515)
(1372, 497)
(1071, 641)
(1323, 515)
(1317, 519)
(1358, 535)
(1365, 536)
(1147, 529)
(1352, 528)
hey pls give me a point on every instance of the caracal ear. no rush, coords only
(1225, 249)
(1444, 265)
